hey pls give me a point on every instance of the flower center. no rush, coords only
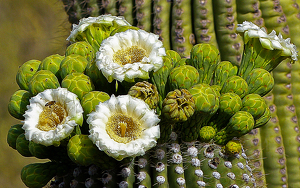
(130, 55)
(52, 115)
(123, 129)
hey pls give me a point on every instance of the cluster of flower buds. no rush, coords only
(116, 96)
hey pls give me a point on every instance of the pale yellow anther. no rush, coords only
(129, 55)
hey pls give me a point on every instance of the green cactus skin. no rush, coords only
(109, 7)
(254, 151)
(276, 164)
(249, 11)
(72, 63)
(78, 83)
(37, 175)
(224, 70)
(71, 11)
(143, 15)
(81, 48)
(25, 72)
(18, 103)
(22, 146)
(125, 9)
(225, 18)
(182, 38)
(205, 58)
(235, 84)
(260, 81)
(160, 172)
(13, 134)
(127, 177)
(143, 175)
(91, 99)
(161, 21)
(203, 21)
(183, 77)
(42, 80)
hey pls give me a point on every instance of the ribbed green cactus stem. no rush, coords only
(159, 174)
(205, 58)
(192, 165)
(249, 11)
(125, 9)
(161, 21)
(143, 9)
(143, 174)
(126, 170)
(203, 22)
(182, 38)
(283, 99)
(273, 149)
(253, 149)
(108, 7)
(176, 175)
(229, 42)
(71, 11)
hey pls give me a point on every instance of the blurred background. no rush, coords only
(29, 29)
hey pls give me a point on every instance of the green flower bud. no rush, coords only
(145, 91)
(205, 58)
(78, 83)
(37, 175)
(97, 77)
(81, 48)
(18, 103)
(235, 84)
(233, 147)
(183, 77)
(174, 56)
(91, 100)
(255, 105)
(72, 63)
(52, 63)
(260, 81)
(262, 120)
(42, 80)
(25, 72)
(13, 134)
(178, 105)
(40, 151)
(82, 151)
(224, 70)
(207, 133)
(22, 146)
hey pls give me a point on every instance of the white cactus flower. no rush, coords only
(269, 41)
(123, 126)
(51, 116)
(84, 23)
(130, 54)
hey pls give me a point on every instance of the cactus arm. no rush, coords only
(203, 21)
(125, 9)
(181, 34)
(143, 14)
(126, 171)
(249, 11)
(161, 22)
(252, 141)
(160, 170)
(273, 148)
(230, 44)
(71, 11)
(143, 174)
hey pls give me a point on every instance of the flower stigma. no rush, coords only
(129, 55)
(123, 129)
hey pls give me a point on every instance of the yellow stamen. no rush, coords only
(130, 55)
(122, 128)
(52, 115)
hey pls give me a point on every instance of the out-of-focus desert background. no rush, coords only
(29, 29)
